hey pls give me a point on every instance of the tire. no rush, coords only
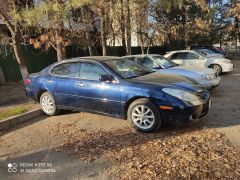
(144, 122)
(216, 67)
(48, 105)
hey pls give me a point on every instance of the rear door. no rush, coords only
(64, 81)
(95, 95)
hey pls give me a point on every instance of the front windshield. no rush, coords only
(166, 63)
(126, 68)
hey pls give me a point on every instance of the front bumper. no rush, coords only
(211, 84)
(184, 115)
(227, 67)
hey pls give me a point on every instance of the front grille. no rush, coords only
(201, 94)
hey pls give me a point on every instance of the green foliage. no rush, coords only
(49, 13)
(12, 112)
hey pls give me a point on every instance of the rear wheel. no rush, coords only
(144, 115)
(217, 68)
(48, 104)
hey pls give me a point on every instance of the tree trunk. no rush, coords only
(16, 36)
(122, 28)
(128, 29)
(103, 33)
(17, 40)
(61, 51)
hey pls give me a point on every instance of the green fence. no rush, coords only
(37, 59)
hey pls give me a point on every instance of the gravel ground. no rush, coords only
(88, 146)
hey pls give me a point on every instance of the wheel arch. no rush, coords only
(40, 92)
(211, 64)
(127, 104)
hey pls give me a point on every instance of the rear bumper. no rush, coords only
(30, 93)
(181, 116)
(227, 67)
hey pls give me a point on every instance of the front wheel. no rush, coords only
(217, 68)
(144, 115)
(48, 105)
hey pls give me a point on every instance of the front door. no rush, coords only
(95, 95)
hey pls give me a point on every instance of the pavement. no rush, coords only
(35, 141)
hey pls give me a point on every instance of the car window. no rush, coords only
(91, 71)
(176, 56)
(127, 69)
(190, 56)
(146, 62)
(131, 58)
(166, 63)
(66, 70)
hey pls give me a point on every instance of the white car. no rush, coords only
(193, 58)
(208, 78)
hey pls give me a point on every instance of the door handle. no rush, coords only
(81, 84)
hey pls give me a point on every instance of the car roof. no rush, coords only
(141, 55)
(99, 58)
(182, 51)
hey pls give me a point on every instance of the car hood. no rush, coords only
(192, 69)
(168, 80)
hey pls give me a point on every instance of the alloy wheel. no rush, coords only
(143, 117)
(47, 104)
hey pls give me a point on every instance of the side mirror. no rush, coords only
(106, 78)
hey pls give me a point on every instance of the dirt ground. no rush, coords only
(88, 146)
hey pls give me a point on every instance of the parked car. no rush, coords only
(209, 53)
(193, 58)
(118, 87)
(208, 78)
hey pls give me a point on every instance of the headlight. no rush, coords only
(209, 76)
(183, 95)
(206, 77)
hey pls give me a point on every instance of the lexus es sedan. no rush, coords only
(207, 77)
(118, 87)
(193, 58)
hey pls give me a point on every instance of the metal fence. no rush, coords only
(37, 59)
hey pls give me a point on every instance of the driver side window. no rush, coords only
(91, 71)
(146, 62)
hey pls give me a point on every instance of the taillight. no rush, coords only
(27, 81)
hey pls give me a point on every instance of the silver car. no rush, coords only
(207, 77)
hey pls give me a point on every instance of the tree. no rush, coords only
(16, 36)
(52, 20)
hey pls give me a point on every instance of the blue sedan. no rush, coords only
(118, 87)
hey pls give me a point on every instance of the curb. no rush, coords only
(19, 119)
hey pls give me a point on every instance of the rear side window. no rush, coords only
(91, 71)
(176, 56)
(190, 56)
(66, 70)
